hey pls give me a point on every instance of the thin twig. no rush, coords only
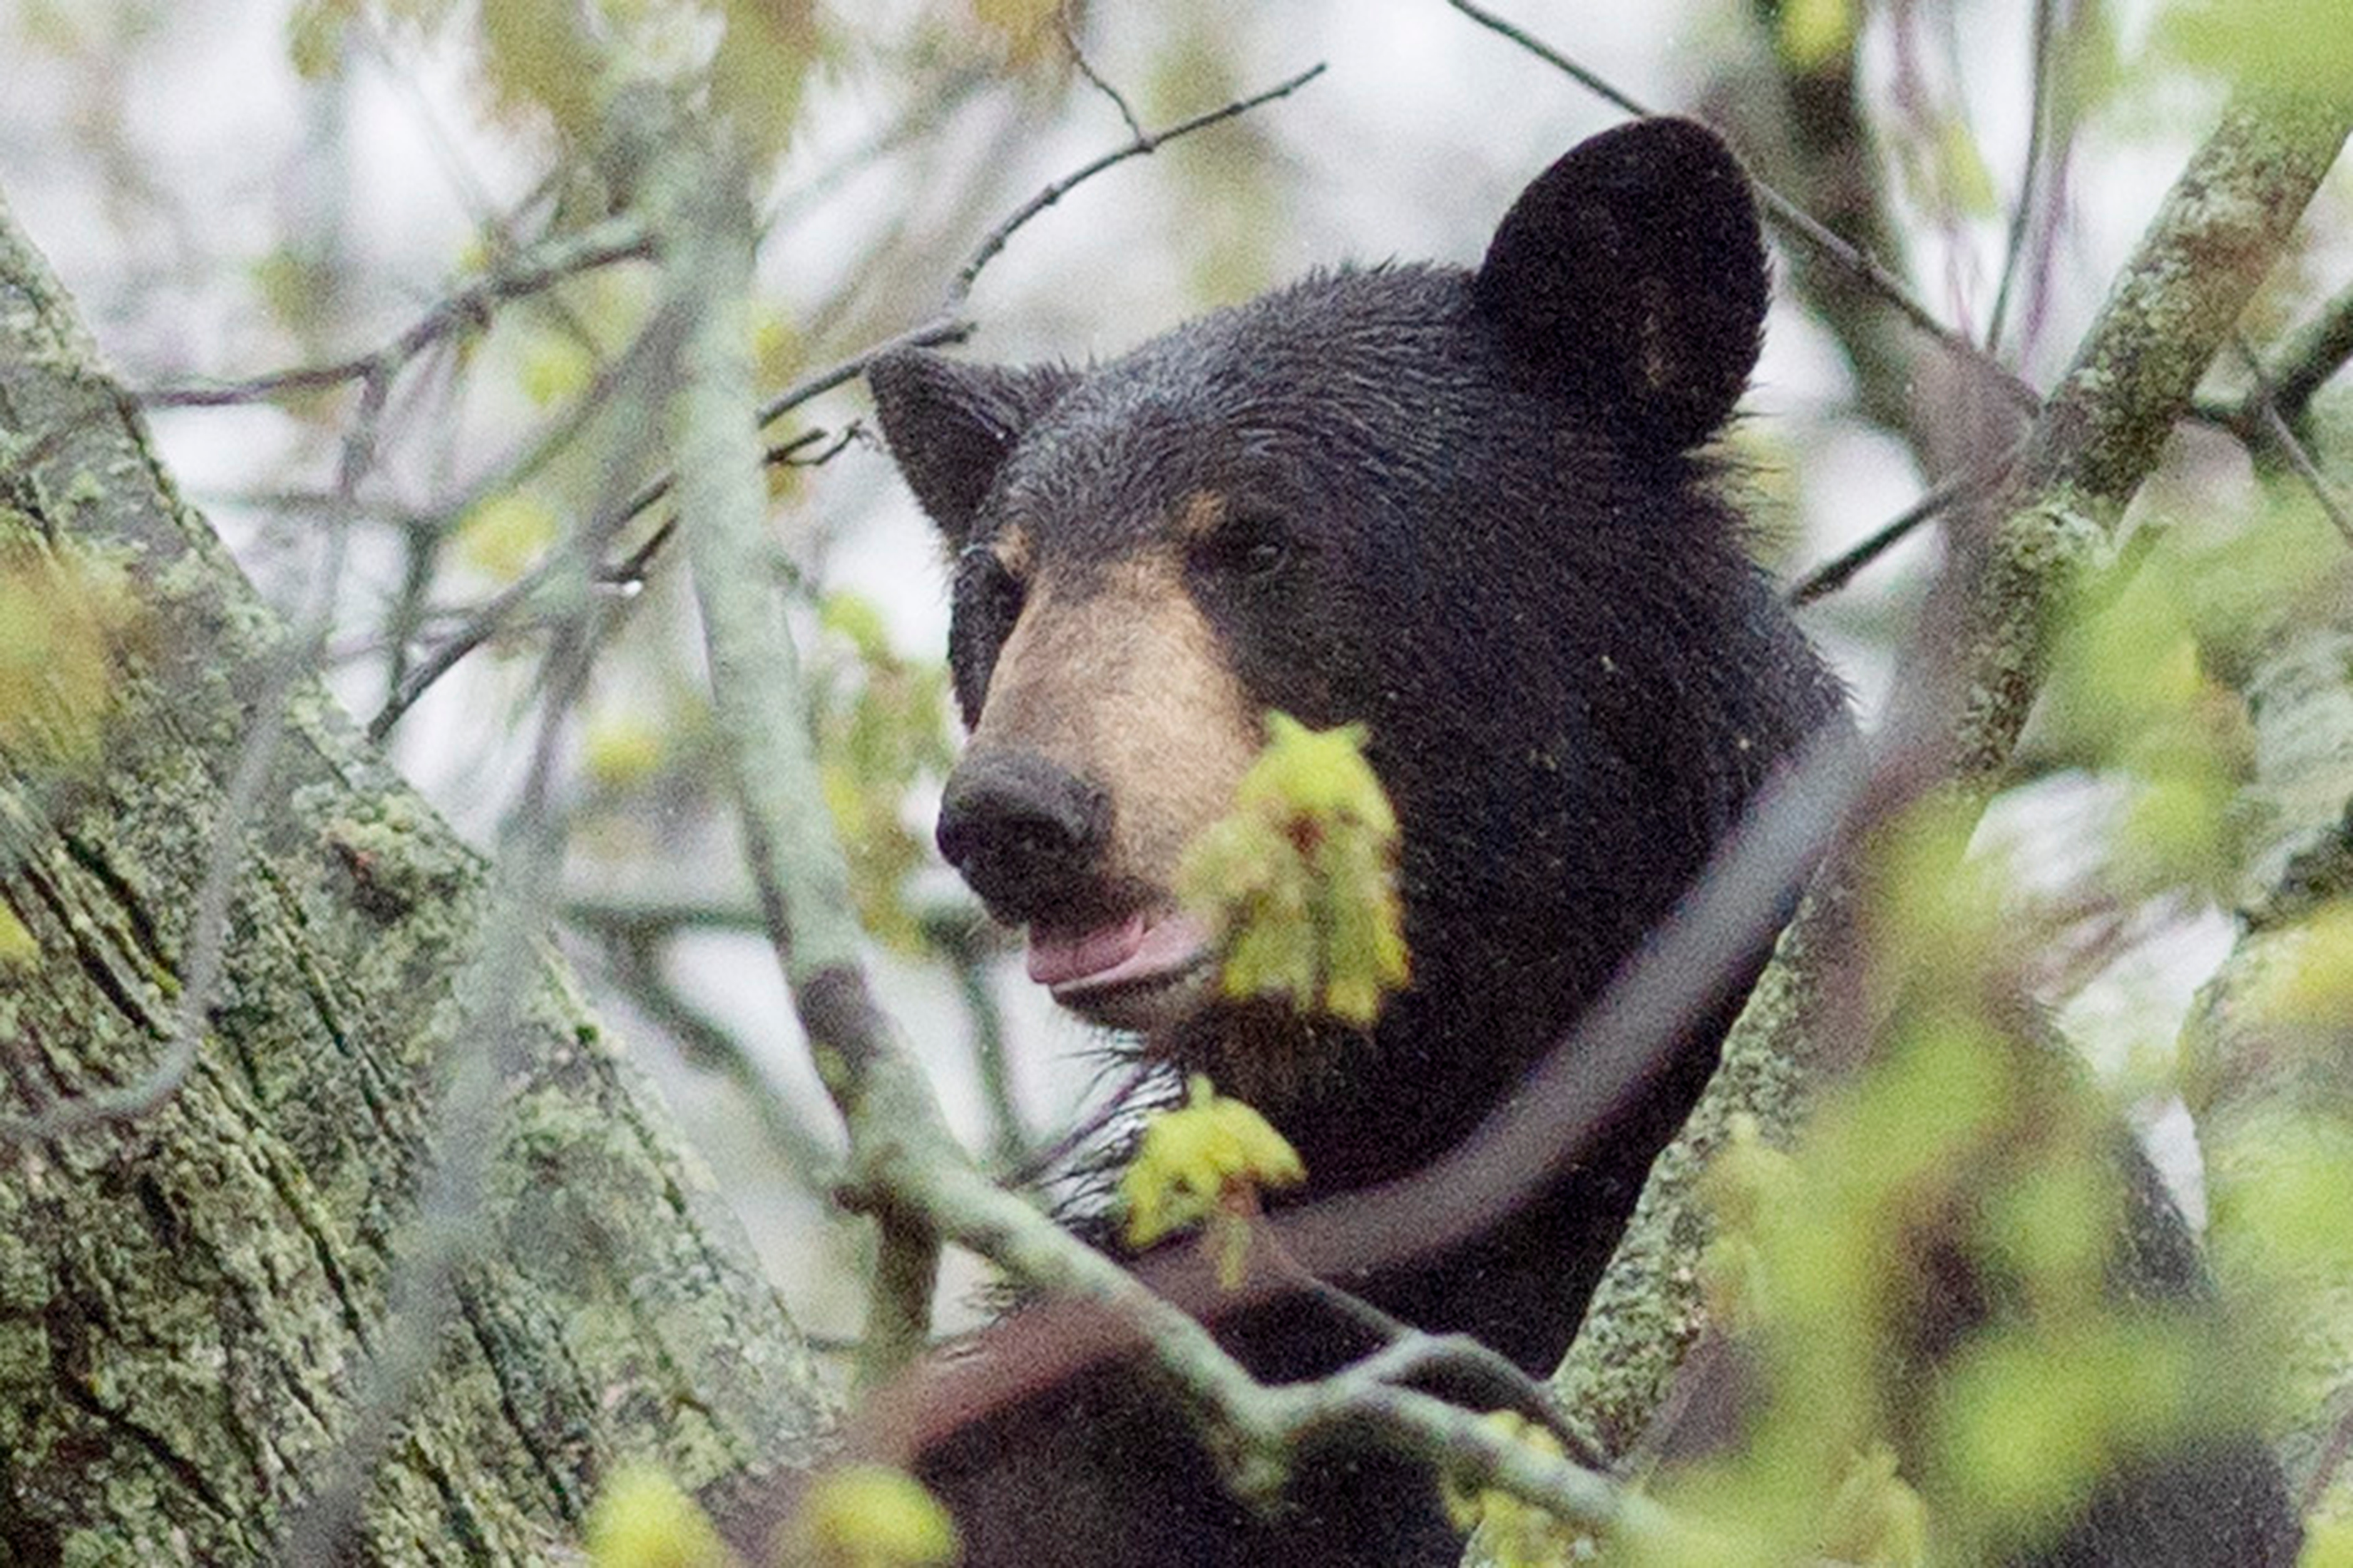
(944, 327)
(2297, 367)
(1834, 574)
(1034, 1169)
(499, 612)
(614, 240)
(1079, 61)
(1144, 143)
(947, 325)
(1411, 1351)
(1785, 213)
(2267, 413)
(2314, 353)
(2021, 212)
(967, 940)
(635, 964)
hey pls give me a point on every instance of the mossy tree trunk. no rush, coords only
(194, 1328)
(2271, 1082)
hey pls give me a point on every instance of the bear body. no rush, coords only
(1471, 511)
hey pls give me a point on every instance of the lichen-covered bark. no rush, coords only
(2269, 1088)
(188, 1297)
(2217, 234)
(1647, 1311)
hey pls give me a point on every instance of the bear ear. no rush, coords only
(1630, 275)
(951, 425)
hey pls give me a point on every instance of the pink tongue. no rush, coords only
(1059, 957)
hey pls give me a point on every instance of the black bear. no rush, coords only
(1472, 512)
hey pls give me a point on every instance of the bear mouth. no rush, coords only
(1139, 971)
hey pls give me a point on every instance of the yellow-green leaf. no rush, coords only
(1815, 33)
(641, 1519)
(2293, 45)
(504, 536)
(1193, 1159)
(868, 1516)
(1298, 880)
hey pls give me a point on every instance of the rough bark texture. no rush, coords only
(2209, 245)
(188, 1298)
(2221, 227)
(2269, 1088)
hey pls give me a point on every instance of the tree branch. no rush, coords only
(545, 265)
(253, 1224)
(2171, 310)
(2220, 229)
(1789, 216)
(1141, 144)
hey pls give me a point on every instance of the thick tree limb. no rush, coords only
(2218, 232)
(186, 1300)
(2266, 1086)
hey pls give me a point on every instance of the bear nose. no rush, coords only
(1026, 833)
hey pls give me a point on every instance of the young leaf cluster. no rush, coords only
(1299, 879)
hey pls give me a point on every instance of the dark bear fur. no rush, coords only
(1471, 511)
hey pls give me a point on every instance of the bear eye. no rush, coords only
(1254, 543)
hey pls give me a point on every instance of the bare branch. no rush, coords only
(2174, 306)
(2021, 212)
(1786, 215)
(469, 308)
(2275, 425)
(942, 327)
(2231, 209)
(995, 241)
(2314, 353)
(1834, 574)
(1078, 59)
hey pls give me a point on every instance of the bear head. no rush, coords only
(1462, 508)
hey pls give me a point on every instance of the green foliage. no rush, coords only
(506, 534)
(1299, 880)
(1967, 1147)
(66, 615)
(1029, 31)
(1514, 1533)
(1943, 171)
(2328, 1545)
(868, 1516)
(2296, 46)
(18, 949)
(2129, 698)
(1811, 33)
(880, 726)
(641, 1519)
(2312, 985)
(1205, 1160)
(568, 64)
(622, 747)
(2282, 1150)
(1874, 1519)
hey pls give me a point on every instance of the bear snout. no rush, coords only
(1026, 834)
